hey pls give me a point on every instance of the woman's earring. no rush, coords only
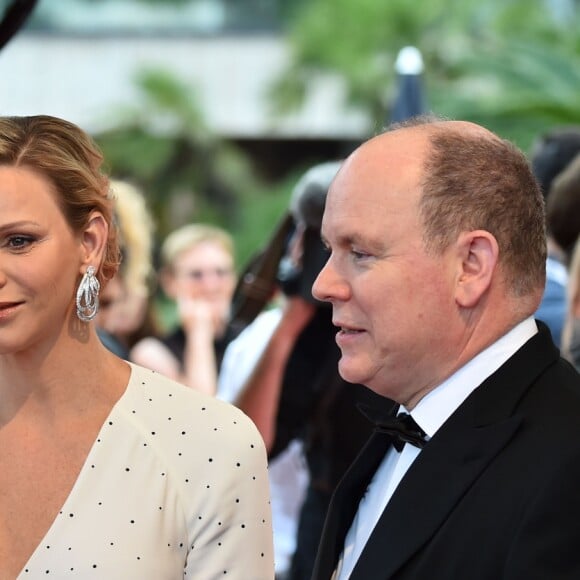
(88, 295)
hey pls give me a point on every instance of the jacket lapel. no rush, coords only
(412, 515)
(344, 504)
(457, 454)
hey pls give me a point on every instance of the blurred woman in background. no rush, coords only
(126, 313)
(198, 274)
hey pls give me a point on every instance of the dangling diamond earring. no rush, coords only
(88, 295)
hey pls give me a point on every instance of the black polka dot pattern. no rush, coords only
(175, 486)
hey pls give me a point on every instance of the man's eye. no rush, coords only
(359, 255)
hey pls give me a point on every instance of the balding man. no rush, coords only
(437, 264)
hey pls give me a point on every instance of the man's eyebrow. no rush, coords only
(345, 239)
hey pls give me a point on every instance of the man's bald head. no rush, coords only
(468, 178)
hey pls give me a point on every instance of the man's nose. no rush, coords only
(318, 288)
(329, 285)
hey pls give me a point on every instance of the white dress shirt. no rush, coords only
(430, 414)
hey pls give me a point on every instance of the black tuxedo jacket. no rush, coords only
(495, 494)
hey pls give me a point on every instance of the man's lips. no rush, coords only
(347, 336)
(346, 328)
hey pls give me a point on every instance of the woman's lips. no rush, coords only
(6, 308)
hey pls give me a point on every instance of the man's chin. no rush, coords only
(350, 373)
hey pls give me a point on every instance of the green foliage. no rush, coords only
(512, 64)
(360, 40)
(133, 153)
(166, 94)
(516, 87)
(162, 144)
(260, 212)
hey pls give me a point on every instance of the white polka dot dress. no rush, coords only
(175, 486)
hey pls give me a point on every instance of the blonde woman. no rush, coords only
(108, 469)
(198, 273)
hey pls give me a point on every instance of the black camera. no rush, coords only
(297, 279)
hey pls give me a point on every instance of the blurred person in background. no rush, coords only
(563, 219)
(282, 372)
(563, 209)
(571, 333)
(551, 153)
(126, 312)
(109, 470)
(197, 272)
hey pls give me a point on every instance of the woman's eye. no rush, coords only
(19, 242)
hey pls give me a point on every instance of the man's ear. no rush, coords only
(94, 240)
(478, 254)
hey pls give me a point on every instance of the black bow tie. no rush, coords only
(402, 428)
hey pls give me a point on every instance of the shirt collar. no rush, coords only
(440, 403)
